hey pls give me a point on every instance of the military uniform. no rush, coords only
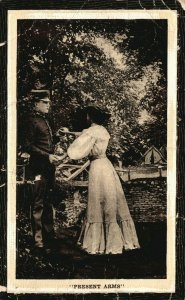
(38, 142)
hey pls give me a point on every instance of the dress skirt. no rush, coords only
(108, 227)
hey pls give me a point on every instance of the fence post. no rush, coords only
(24, 173)
(160, 171)
(129, 177)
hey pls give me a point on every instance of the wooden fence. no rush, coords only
(129, 174)
(78, 176)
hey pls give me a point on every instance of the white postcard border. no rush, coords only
(92, 285)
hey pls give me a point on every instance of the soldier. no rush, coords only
(38, 142)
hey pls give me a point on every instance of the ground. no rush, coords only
(69, 262)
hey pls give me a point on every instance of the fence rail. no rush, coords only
(126, 174)
(142, 172)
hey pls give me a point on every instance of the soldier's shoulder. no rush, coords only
(30, 119)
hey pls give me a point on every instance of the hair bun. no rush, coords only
(97, 114)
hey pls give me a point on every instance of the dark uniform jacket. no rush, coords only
(38, 142)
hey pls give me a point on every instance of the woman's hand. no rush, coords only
(65, 130)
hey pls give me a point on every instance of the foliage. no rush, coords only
(99, 62)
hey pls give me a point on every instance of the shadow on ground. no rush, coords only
(67, 261)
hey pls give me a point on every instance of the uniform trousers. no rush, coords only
(42, 213)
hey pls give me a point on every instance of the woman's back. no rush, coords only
(93, 141)
(108, 227)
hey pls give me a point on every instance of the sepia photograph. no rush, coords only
(91, 151)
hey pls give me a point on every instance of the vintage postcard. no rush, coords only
(92, 151)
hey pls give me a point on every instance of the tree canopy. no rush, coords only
(119, 65)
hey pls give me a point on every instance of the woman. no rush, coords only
(108, 227)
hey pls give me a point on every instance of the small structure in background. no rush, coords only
(153, 164)
(153, 157)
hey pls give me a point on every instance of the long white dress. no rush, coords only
(108, 227)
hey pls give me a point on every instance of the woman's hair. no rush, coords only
(97, 115)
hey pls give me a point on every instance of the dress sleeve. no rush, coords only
(82, 146)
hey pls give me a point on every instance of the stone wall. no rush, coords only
(147, 199)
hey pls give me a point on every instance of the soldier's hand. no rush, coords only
(53, 158)
(61, 158)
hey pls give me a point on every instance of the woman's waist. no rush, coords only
(97, 156)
